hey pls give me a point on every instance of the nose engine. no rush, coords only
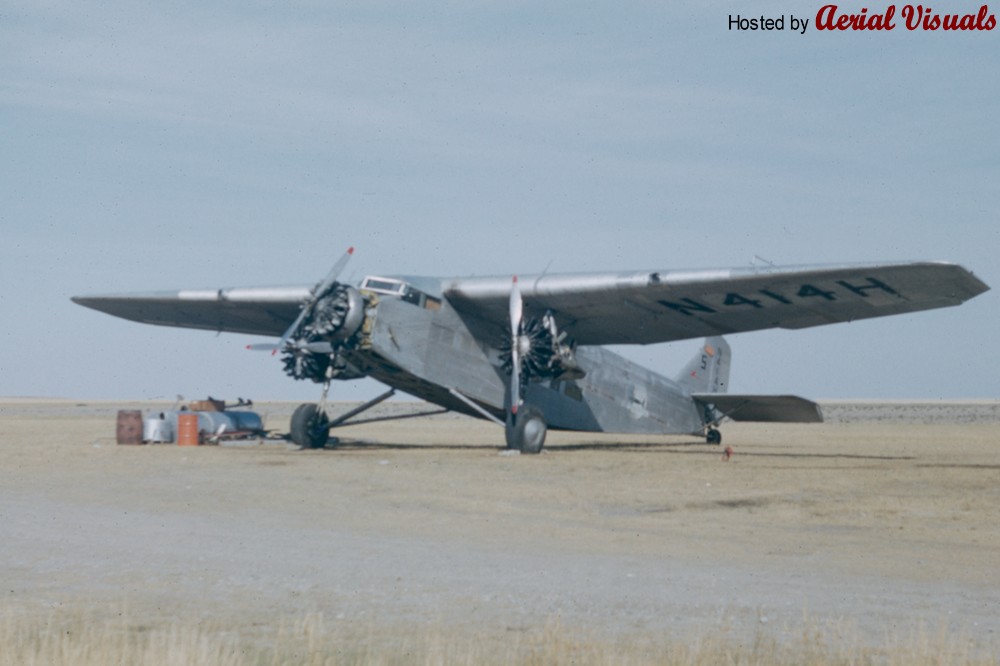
(315, 350)
(337, 316)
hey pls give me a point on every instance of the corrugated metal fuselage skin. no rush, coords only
(429, 352)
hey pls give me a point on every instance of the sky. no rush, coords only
(150, 145)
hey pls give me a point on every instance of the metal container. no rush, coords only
(129, 427)
(246, 421)
(187, 429)
(227, 423)
(156, 429)
(213, 424)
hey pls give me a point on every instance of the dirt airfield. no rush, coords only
(884, 520)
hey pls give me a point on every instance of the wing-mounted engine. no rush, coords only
(535, 348)
(544, 350)
(315, 349)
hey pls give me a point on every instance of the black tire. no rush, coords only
(713, 436)
(526, 431)
(310, 428)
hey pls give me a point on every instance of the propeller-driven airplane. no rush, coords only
(527, 352)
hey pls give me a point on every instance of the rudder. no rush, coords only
(708, 371)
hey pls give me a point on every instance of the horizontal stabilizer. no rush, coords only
(773, 408)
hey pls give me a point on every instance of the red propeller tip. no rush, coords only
(350, 250)
(515, 279)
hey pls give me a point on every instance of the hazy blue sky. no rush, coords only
(151, 145)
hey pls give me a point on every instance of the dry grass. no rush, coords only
(81, 640)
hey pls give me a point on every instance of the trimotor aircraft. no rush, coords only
(526, 352)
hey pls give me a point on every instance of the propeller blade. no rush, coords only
(306, 309)
(310, 302)
(515, 384)
(312, 347)
(516, 308)
(516, 311)
(318, 347)
(334, 273)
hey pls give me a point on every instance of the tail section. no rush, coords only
(708, 371)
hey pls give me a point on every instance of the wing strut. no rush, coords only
(362, 408)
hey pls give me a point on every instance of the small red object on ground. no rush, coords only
(728, 453)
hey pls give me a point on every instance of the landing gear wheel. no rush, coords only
(310, 427)
(526, 430)
(713, 436)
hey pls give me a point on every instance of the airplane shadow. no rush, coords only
(700, 448)
(345, 444)
(697, 448)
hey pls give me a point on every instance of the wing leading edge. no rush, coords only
(662, 306)
(257, 311)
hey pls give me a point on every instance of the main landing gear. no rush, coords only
(713, 436)
(310, 426)
(525, 430)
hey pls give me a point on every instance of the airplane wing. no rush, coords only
(770, 408)
(257, 311)
(660, 306)
(611, 308)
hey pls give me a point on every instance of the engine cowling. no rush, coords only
(337, 316)
(315, 349)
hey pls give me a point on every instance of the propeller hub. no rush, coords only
(523, 345)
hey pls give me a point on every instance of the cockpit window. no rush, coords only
(400, 289)
(383, 286)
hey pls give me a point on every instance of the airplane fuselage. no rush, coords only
(433, 352)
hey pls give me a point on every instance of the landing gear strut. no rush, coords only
(310, 427)
(525, 431)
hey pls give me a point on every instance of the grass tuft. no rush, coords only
(79, 639)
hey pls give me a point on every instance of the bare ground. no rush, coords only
(881, 525)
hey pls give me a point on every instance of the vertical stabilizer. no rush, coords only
(708, 371)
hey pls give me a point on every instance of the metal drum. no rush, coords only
(129, 427)
(187, 429)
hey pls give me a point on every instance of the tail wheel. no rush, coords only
(526, 430)
(310, 427)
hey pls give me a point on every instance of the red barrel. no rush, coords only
(129, 427)
(187, 430)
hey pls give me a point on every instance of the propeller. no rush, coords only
(307, 307)
(516, 310)
(318, 347)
